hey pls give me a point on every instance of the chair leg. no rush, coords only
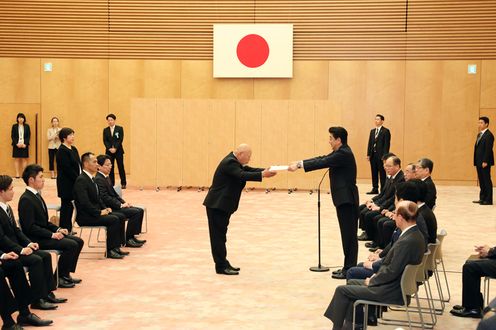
(446, 281)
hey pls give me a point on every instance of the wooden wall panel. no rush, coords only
(143, 144)
(76, 92)
(274, 149)
(487, 71)
(310, 80)
(10, 112)
(20, 80)
(195, 142)
(272, 89)
(170, 126)
(196, 79)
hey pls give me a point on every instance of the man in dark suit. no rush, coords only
(483, 160)
(473, 271)
(113, 135)
(11, 268)
(222, 201)
(385, 285)
(33, 217)
(119, 206)
(38, 262)
(344, 192)
(378, 146)
(423, 171)
(92, 212)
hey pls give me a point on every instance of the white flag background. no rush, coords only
(253, 50)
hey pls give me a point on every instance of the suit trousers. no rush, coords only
(473, 270)
(358, 272)
(7, 302)
(348, 223)
(14, 271)
(486, 184)
(218, 221)
(66, 210)
(377, 169)
(119, 157)
(385, 229)
(370, 224)
(70, 247)
(115, 228)
(39, 264)
(134, 215)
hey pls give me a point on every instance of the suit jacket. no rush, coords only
(342, 174)
(381, 145)
(408, 250)
(68, 167)
(15, 134)
(107, 193)
(431, 193)
(483, 151)
(114, 140)
(387, 199)
(11, 237)
(34, 218)
(429, 226)
(229, 180)
(88, 203)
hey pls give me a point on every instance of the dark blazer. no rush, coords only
(431, 193)
(11, 237)
(429, 226)
(68, 167)
(34, 218)
(107, 193)
(15, 134)
(113, 140)
(229, 180)
(386, 197)
(408, 250)
(86, 197)
(342, 174)
(383, 142)
(483, 151)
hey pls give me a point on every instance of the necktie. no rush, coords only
(11, 215)
(41, 201)
(478, 137)
(376, 132)
(96, 186)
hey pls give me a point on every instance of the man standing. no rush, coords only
(342, 172)
(223, 198)
(113, 136)
(483, 160)
(378, 146)
(33, 217)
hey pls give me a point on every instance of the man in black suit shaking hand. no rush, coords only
(223, 198)
(378, 146)
(344, 192)
(483, 160)
(113, 136)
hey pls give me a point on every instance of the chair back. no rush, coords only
(430, 264)
(440, 237)
(409, 280)
(420, 276)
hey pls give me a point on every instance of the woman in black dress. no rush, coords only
(20, 143)
(69, 168)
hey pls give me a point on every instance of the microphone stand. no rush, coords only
(319, 268)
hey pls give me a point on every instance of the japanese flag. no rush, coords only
(253, 50)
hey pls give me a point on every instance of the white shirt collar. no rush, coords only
(31, 189)
(407, 229)
(3, 206)
(105, 176)
(88, 174)
(484, 131)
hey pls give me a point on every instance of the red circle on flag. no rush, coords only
(252, 50)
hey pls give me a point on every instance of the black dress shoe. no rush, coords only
(72, 279)
(339, 276)
(54, 300)
(374, 249)
(458, 307)
(339, 271)
(373, 192)
(237, 269)
(363, 237)
(486, 203)
(112, 254)
(141, 241)
(123, 186)
(474, 313)
(133, 244)
(371, 244)
(63, 283)
(12, 327)
(122, 253)
(226, 271)
(43, 305)
(32, 319)
(477, 202)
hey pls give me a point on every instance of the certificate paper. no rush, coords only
(279, 168)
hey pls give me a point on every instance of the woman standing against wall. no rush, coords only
(69, 168)
(20, 143)
(53, 144)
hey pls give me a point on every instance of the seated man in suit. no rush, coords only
(92, 212)
(33, 217)
(473, 271)
(119, 206)
(385, 285)
(11, 268)
(39, 263)
(423, 171)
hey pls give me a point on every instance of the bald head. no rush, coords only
(406, 214)
(243, 153)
